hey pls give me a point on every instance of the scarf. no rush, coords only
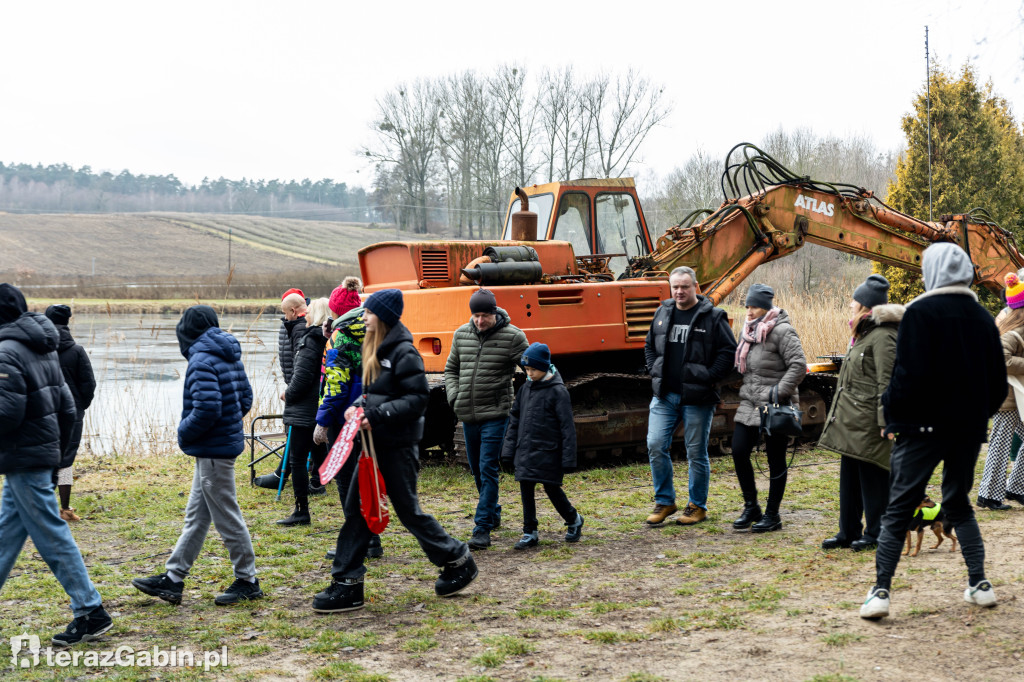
(754, 331)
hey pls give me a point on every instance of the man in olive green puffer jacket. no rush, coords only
(478, 381)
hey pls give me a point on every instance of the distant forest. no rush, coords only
(59, 188)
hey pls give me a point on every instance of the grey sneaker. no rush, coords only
(531, 539)
(575, 530)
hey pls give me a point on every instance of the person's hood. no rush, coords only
(216, 341)
(554, 378)
(946, 264)
(195, 320)
(346, 319)
(890, 313)
(313, 335)
(66, 340)
(397, 335)
(501, 319)
(291, 324)
(33, 331)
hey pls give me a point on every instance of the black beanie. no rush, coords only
(12, 303)
(194, 321)
(483, 301)
(760, 296)
(59, 314)
(874, 291)
(387, 304)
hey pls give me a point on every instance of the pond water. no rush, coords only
(140, 376)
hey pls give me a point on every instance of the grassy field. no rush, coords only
(628, 603)
(140, 245)
(239, 306)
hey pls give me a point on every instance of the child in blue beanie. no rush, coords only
(541, 439)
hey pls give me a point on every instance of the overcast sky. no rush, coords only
(286, 89)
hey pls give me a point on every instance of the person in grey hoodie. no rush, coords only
(948, 380)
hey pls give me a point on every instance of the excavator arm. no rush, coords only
(779, 212)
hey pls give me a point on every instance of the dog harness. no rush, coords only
(929, 513)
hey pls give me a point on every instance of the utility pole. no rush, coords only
(229, 252)
(928, 116)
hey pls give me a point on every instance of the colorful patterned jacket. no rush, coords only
(341, 373)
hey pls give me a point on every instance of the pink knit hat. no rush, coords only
(345, 297)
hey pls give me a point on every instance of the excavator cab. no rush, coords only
(601, 219)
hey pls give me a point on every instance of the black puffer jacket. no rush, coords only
(541, 435)
(77, 369)
(287, 345)
(394, 404)
(37, 410)
(710, 348)
(302, 396)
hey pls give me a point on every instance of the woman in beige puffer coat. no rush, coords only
(769, 355)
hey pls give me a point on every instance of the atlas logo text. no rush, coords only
(814, 205)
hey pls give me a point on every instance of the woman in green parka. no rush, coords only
(855, 422)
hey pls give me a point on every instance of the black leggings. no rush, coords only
(744, 439)
(300, 444)
(557, 496)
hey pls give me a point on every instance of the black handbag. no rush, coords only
(776, 419)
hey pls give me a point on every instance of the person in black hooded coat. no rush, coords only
(541, 439)
(37, 412)
(77, 370)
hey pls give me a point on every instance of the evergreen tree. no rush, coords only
(977, 161)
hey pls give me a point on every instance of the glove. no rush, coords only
(320, 434)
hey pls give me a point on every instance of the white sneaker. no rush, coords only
(981, 594)
(876, 605)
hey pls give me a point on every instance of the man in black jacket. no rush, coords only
(948, 380)
(293, 327)
(37, 413)
(689, 349)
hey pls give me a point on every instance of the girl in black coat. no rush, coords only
(541, 438)
(300, 405)
(77, 371)
(394, 401)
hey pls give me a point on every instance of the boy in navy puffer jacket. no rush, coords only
(217, 396)
(541, 440)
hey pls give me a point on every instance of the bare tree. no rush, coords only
(566, 125)
(407, 134)
(508, 89)
(462, 135)
(623, 110)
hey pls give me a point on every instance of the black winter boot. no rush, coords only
(769, 522)
(299, 517)
(751, 514)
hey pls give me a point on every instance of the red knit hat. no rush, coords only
(345, 297)
(292, 291)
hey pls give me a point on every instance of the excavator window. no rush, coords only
(541, 205)
(618, 229)
(573, 224)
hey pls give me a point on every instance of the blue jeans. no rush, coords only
(665, 415)
(29, 509)
(483, 449)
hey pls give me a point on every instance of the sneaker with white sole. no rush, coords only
(876, 605)
(981, 594)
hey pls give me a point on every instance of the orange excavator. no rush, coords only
(580, 273)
